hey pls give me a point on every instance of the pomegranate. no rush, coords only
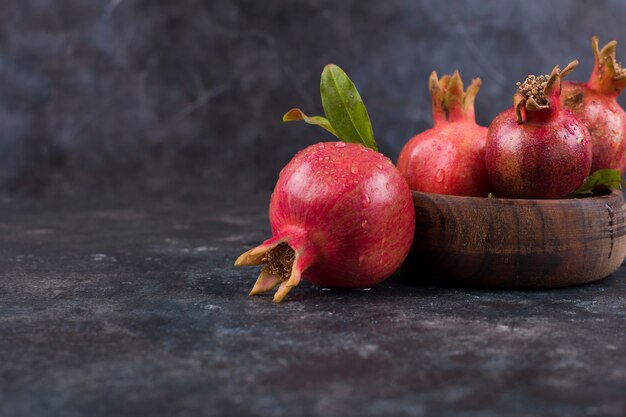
(535, 149)
(594, 103)
(341, 215)
(449, 157)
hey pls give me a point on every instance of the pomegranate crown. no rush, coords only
(608, 74)
(538, 92)
(450, 101)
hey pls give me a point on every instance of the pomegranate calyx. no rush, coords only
(607, 75)
(539, 92)
(265, 282)
(278, 269)
(279, 261)
(450, 101)
(282, 266)
(255, 256)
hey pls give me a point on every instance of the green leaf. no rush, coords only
(490, 196)
(344, 108)
(599, 182)
(295, 115)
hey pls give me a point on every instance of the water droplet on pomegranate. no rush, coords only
(440, 175)
(320, 158)
(356, 181)
(340, 145)
(571, 129)
(354, 170)
(438, 148)
(365, 200)
(613, 107)
(379, 166)
(361, 258)
(364, 224)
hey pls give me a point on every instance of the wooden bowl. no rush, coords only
(509, 243)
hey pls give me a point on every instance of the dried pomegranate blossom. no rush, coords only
(533, 91)
(279, 262)
(536, 149)
(594, 103)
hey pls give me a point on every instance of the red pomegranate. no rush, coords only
(341, 215)
(594, 103)
(449, 157)
(536, 149)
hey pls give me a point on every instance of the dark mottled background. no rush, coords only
(129, 305)
(175, 98)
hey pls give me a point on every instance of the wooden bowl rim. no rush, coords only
(517, 201)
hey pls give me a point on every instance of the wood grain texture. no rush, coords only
(510, 243)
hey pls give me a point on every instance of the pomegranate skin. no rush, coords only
(536, 149)
(347, 213)
(449, 158)
(442, 160)
(543, 159)
(604, 118)
(594, 103)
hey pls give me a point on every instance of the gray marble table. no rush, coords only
(136, 310)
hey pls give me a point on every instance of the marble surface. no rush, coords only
(136, 310)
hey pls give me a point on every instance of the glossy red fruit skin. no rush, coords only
(548, 157)
(449, 158)
(604, 118)
(536, 149)
(594, 103)
(346, 211)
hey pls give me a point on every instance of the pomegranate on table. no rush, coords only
(341, 214)
(449, 158)
(594, 103)
(536, 149)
